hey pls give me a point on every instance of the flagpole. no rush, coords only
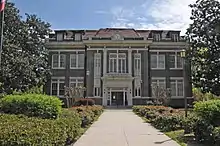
(1, 34)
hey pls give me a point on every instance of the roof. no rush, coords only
(125, 32)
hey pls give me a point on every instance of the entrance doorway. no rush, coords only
(119, 99)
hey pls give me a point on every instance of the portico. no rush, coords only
(117, 90)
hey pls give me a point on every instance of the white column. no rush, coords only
(129, 96)
(123, 97)
(105, 96)
(129, 62)
(104, 61)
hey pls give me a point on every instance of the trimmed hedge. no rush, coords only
(21, 130)
(36, 105)
(84, 102)
(161, 117)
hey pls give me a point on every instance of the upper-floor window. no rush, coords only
(175, 37)
(117, 63)
(156, 37)
(76, 82)
(175, 61)
(137, 64)
(58, 61)
(97, 64)
(176, 86)
(59, 36)
(157, 61)
(77, 60)
(57, 86)
(78, 36)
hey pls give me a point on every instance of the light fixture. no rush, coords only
(183, 53)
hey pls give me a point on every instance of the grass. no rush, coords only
(178, 136)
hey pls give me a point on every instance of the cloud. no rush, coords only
(155, 14)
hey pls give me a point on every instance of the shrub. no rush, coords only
(20, 130)
(209, 111)
(38, 105)
(168, 123)
(84, 102)
(88, 113)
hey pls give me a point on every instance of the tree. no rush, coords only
(24, 57)
(204, 37)
(162, 95)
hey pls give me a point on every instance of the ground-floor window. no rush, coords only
(158, 86)
(176, 86)
(137, 92)
(97, 91)
(57, 86)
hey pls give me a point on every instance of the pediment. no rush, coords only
(117, 36)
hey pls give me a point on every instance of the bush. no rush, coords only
(20, 130)
(38, 105)
(209, 111)
(84, 102)
(168, 123)
(88, 113)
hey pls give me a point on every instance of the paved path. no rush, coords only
(123, 128)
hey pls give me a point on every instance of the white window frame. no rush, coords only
(77, 60)
(58, 81)
(176, 58)
(137, 60)
(97, 61)
(111, 59)
(97, 91)
(156, 37)
(60, 36)
(175, 37)
(164, 60)
(158, 79)
(78, 37)
(137, 91)
(176, 81)
(59, 54)
(76, 81)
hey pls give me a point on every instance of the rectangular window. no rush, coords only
(157, 85)
(156, 37)
(58, 61)
(97, 91)
(175, 37)
(78, 37)
(117, 63)
(176, 86)
(77, 60)
(76, 82)
(158, 61)
(97, 64)
(137, 92)
(175, 61)
(57, 87)
(137, 64)
(60, 36)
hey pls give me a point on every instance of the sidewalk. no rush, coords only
(123, 128)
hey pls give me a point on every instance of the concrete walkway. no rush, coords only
(123, 128)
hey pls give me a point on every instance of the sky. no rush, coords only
(95, 14)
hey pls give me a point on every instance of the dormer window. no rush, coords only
(175, 37)
(78, 37)
(156, 37)
(59, 36)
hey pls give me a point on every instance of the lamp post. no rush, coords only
(183, 56)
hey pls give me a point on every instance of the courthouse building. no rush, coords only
(122, 64)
